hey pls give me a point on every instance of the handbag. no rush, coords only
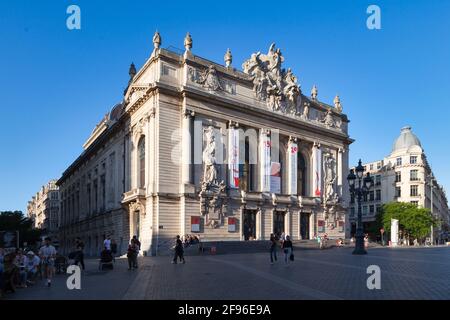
(291, 257)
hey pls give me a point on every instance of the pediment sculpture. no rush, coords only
(208, 78)
(272, 84)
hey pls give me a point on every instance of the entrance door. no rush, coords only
(278, 223)
(249, 226)
(304, 225)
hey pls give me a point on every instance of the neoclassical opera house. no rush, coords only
(196, 147)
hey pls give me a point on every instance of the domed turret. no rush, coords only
(406, 140)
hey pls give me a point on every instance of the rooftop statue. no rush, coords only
(271, 83)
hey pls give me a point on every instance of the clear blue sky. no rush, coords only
(56, 84)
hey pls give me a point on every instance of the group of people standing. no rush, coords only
(285, 243)
(20, 268)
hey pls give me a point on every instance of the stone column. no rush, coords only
(233, 155)
(259, 231)
(287, 223)
(186, 152)
(264, 151)
(317, 170)
(292, 161)
(340, 172)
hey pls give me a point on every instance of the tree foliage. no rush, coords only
(16, 221)
(413, 221)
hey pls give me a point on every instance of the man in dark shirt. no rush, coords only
(179, 251)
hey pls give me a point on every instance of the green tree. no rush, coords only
(413, 221)
(16, 221)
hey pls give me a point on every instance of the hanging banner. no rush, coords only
(233, 160)
(293, 150)
(317, 169)
(195, 224)
(275, 177)
(265, 162)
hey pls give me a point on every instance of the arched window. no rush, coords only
(141, 162)
(301, 175)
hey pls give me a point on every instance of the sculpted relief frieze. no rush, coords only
(210, 80)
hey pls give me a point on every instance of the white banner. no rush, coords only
(293, 150)
(233, 158)
(265, 162)
(317, 170)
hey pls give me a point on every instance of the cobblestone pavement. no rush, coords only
(406, 273)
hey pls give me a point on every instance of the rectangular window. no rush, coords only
(371, 167)
(416, 203)
(352, 198)
(414, 191)
(103, 192)
(398, 192)
(378, 208)
(365, 197)
(398, 176)
(399, 161)
(379, 165)
(372, 209)
(378, 180)
(414, 175)
(365, 210)
(413, 159)
(371, 195)
(378, 195)
(352, 211)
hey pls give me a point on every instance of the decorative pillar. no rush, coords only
(186, 152)
(259, 224)
(264, 149)
(287, 224)
(241, 223)
(233, 155)
(292, 160)
(317, 170)
(340, 172)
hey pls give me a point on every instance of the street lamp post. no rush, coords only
(431, 206)
(359, 187)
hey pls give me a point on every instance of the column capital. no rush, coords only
(316, 144)
(265, 131)
(293, 139)
(188, 113)
(233, 124)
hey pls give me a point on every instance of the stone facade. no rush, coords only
(406, 176)
(196, 147)
(43, 209)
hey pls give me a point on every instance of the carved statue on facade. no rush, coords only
(314, 93)
(188, 42)
(212, 192)
(272, 84)
(328, 119)
(209, 158)
(210, 80)
(305, 114)
(329, 167)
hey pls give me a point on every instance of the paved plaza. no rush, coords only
(406, 273)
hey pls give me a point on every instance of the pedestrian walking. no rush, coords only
(288, 250)
(132, 255)
(273, 248)
(79, 248)
(48, 254)
(107, 243)
(113, 249)
(179, 251)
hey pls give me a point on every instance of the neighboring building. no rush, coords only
(403, 176)
(153, 166)
(43, 209)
